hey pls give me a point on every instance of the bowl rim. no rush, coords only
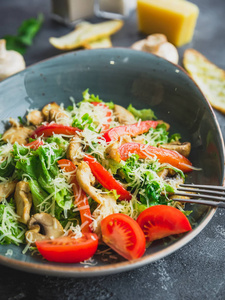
(64, 270)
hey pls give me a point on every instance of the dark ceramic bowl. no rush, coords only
(123, 76)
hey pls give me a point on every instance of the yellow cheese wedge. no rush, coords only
(208, 76)
(86, 33)
(174, 18)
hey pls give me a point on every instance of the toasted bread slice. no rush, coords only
(100, 43)
(85, 34)
(209, 77)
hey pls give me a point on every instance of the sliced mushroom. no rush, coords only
(43, 226)
(35, 117)
(86, 181)
(123, 116)
(47, 108)
(184, 148)
(23, 200)
(6, 189)
(17, 133)
(57, 115)
(112, 152)
(74, 150)
(33, 235)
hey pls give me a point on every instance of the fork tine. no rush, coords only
(207, 187)
(201, 196)
(201, 201)
(209, 192)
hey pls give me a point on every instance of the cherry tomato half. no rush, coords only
(67, 249)
(124, 235)
(160, 221)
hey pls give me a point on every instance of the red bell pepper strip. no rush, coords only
(49, 129)
(81, 200)
(106, 179)
(164, 156)
(108, 115)
(114, 133)
(35, 144)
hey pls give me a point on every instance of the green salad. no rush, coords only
(92, 172)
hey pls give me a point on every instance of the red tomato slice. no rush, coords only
(115, 133)
(67, 249)
(81, 199)
(49, 129)
(106, 179)
(160, 221)
(124, 235)
(164, 156)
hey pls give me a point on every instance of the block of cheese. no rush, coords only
(174, 18)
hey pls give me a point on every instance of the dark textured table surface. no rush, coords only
(197, 271)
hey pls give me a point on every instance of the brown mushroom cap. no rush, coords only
(123, 116)
(6, 189)
(23, 200)
(45, 110)
(184, 148)
(59, 116)
(35, 117)
(43, 226)
(75, 150)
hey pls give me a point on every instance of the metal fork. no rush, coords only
(201, 194)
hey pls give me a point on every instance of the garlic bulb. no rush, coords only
(11, 61)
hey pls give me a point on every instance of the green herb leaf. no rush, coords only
(26, 33)
(174, 137)
(14, 43)
(29, 28)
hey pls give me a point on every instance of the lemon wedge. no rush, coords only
(209, 77)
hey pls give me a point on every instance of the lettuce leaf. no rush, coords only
(143, 114)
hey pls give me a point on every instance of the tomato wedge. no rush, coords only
(81, 199)
(160, 221)
(108, 114)
(49, 129)
(164, 156)
(68, 249)
(115, 133)
(106, 179)
(35, 144)
(124, 235)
